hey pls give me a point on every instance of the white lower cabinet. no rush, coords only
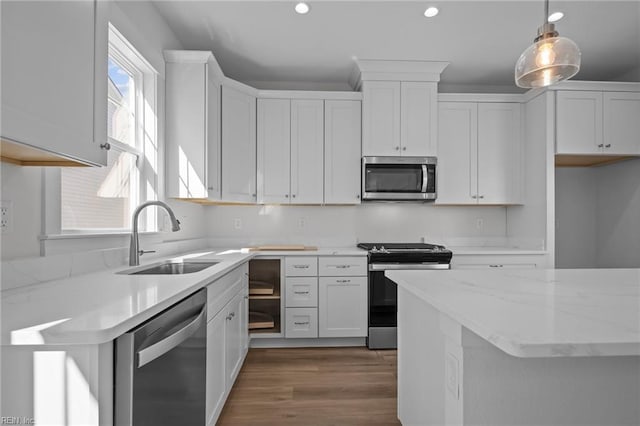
(342, 306)
(507, 261)
(301, 322)
(227, 337)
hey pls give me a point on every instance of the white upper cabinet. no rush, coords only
(192, 125)
(60, 109)
(342, 141)
(381, 118)
(480, 153)
(579, 122)
(597, 122)
(274, 150)
(457, 178)
(290, 151)
(238, 145)
(418, 118)
(621, 123)
(399, 118)
(307, 148)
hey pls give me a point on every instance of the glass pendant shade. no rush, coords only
(547, 61)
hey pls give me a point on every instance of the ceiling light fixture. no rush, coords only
(302, 8)
(549, 59)
(556, 16)
(431, 12)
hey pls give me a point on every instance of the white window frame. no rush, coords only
(146, 149)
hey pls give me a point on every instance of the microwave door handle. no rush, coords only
(425, 178)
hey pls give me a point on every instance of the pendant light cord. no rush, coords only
(546, 11)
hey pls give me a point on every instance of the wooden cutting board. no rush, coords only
(284, 248)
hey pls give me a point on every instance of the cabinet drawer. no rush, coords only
(301, 292)
(301, 322)
(306, 266)
(509, 261)
(342, 266)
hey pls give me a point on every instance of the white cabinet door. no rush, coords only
(234, 351)
(342, 307)
(238, 146)
(381, 118)
(418, 119)
(307, 148)
(186, 129)
(499, 153)
(216, 384)
(578, 122)
(273, 150)
(342, 139)
(457, 153)
(54, 77)
(214, 149)
(621, 123)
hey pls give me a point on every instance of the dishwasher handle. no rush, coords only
(160, 348)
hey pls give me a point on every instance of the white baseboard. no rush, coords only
(307, 343)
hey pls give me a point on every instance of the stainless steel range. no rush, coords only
(383, 293)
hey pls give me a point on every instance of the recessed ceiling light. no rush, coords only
(431, 12)
(555, 16)
(302, 8)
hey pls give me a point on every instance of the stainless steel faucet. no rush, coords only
(134, 247)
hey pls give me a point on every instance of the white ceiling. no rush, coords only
(265, 43)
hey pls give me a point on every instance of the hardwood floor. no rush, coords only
(314, 386)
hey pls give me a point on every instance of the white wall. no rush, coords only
(618, 215)
(143, 26)
(598, 216)
(346, 225)
(576, 219)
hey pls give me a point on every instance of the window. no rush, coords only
(102, 199)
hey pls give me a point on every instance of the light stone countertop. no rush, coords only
(538, 312)
(98, 307)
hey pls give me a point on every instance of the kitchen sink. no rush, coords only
(172, 267)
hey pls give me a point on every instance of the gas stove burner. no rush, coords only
(406, 252)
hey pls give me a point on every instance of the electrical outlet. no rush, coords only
(237, 223)
(301, 222)
(6, 216)
(479, 224)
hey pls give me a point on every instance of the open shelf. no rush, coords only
(266, 273)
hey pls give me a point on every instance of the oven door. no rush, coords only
(383, 307)
(398, 178)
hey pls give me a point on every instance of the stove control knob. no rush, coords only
(383, 250)
(374, 249)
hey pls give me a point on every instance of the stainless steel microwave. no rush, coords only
(399, 178)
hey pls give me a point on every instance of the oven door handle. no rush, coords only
(425, 178)
(160, 348)
(407, 266)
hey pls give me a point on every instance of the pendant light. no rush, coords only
(549, 59)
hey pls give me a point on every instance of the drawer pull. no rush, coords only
(301, 323)
(301, 292)
(301, 266)
(343, 281)
(343, 266)
(496, 266)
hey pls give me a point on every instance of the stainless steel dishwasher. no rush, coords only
(160, 368)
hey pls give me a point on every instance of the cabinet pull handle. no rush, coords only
(343, 266)
(246, 297)
(496, 266)
(106, 146)
(301, 266)
(229, 317)
(301, 323)
(301, 292)
(474, 196)
(343, 281)
(253, 195)
(294, 195)
(358, 196)
(404, 148)
(286, 195)
(210, 188)
(481, 196)
(600, 145)
(397, 148)
(608, 145)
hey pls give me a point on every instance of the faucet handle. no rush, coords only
(141, 252)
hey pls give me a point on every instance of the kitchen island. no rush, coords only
(543, 347)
